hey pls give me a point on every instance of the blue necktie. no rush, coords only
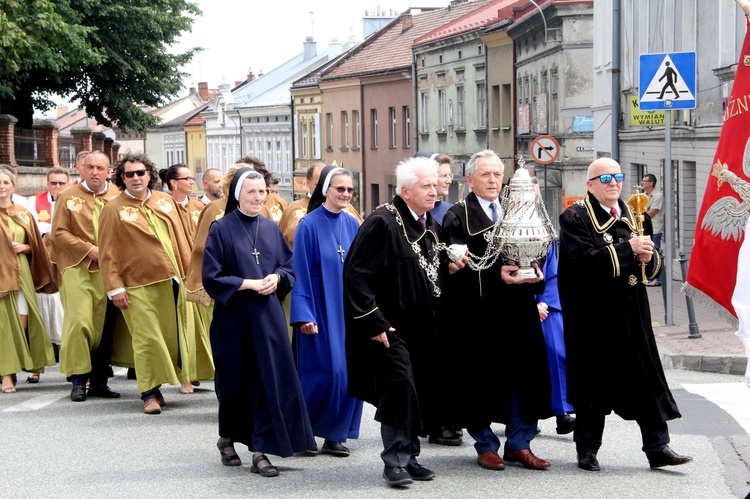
(493, 212)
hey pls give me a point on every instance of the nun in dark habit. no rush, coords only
(247, 270)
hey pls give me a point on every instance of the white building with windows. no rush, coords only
(255, 117)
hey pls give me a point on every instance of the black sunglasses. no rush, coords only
(342, 190)
(606, 178)
(132, 174)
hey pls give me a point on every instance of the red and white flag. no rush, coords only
(723, 217)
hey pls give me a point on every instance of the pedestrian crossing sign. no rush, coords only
(667, 81)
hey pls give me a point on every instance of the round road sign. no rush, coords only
(544, 149)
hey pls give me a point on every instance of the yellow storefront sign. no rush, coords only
(643, 118)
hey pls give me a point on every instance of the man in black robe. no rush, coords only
(496, 314)
(613, 363)
(392, 279)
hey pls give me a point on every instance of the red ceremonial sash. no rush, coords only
(43, 207)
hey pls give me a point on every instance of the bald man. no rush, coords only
(613, 363)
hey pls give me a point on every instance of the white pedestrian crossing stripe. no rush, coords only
(734, 398)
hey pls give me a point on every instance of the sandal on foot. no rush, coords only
(186, 389)
(9, 384)
(266, 471)
(34, 378)
(228, 459)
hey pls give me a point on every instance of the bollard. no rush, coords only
(694, 332)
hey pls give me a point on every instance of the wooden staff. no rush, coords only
(638, 202)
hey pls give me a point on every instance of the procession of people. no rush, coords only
(184, 289)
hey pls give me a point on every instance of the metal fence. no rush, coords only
(66, 152)
(27, 145)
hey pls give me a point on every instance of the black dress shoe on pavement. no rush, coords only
(103, 392)
(565, 424)
(397, 477)
(78, 393)
(335, 449)
(588, 462)
(419, 472)
(666, 457)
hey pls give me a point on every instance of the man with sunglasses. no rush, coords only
(613, 363)
(145, 255)
(88, 324)
(43, 204)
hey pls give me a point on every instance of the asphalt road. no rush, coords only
(52, 447)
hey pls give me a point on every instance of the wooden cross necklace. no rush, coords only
(255, 253)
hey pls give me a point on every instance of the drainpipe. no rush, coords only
(615, 148)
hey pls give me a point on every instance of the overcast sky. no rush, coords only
(263, 34)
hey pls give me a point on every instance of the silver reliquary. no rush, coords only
(525, 232)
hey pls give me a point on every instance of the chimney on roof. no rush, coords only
(406, 23)
(203, 91)
(237, 82)
(310, 49)
(250, 75)
(62, 110)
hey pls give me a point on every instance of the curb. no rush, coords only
(720, 364)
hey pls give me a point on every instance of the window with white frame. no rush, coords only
(423, 128)
(481, 105)
(329, 125)
(357, 129)
(393, 131)
(406, 113)
(441, 109)
(460, 97)
(374, 128)
(345, 129)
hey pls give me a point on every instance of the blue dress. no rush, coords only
(552, 327)
(318, 297)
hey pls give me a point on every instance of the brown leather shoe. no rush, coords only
(526, 458)
(151, 406)
(490, 460)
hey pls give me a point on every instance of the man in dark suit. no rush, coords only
(497, 316)
(613, 363)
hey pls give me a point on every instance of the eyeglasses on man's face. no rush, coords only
(606, 178)
(341, 189)
(133, 173)
(53, 182)
(446, 176)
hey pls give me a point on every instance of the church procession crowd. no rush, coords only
(112, 271)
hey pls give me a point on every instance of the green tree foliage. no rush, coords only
(111, 55)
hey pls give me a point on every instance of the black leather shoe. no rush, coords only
(419, 472)
(588, 462)
(78, 393)
(666, 457)
(335, 449)
(397, 477)
(565, 424)
(103, 392)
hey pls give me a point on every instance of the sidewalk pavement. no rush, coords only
(718, 350)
